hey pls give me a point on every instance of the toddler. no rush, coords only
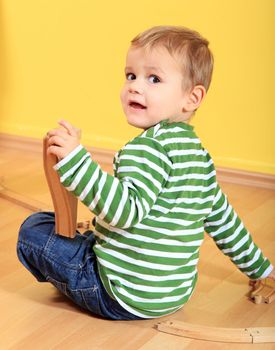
(141, 260)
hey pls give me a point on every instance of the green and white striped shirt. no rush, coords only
(151, 218)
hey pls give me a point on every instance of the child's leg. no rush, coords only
(69, 264)
(33, 238)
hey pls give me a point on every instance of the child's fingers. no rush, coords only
(57, 141)
(55, 150)
(71, 130)
(57, 132)
(78, 132)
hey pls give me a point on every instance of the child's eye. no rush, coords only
(130, 76)
(154, 79)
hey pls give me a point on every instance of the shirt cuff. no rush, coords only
(267, 272)
(68, 157)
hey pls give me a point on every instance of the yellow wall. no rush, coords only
(65, 59)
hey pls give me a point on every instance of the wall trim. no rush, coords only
(30, 144)
(246, 178)
(105, 156)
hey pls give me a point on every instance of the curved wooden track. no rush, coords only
(217, 334)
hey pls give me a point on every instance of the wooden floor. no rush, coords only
(36, 316)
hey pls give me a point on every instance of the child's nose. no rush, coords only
(135, 87)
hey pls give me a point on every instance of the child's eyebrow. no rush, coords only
(153, 68)
(128, 69)
(148, 68)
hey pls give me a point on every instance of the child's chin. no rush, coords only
(136, 123)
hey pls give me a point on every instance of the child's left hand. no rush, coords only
(64, 140)
(272, 274)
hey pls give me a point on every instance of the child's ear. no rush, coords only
(195, 98)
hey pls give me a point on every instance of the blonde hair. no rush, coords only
(184, 44)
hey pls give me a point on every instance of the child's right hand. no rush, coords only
(65, 124)
(62, 141)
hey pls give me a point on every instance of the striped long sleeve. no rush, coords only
(125, 199)
(232, 238)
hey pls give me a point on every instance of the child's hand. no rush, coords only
(272, 274)
(63, 140)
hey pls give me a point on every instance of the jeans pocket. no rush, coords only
(87, 298)
(84, 298)
(90, 299)
(61, 286)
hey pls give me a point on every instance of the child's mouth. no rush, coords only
(136, 105)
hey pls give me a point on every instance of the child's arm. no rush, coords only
(230, 235)
(120, 201)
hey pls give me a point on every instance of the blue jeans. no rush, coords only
(69, 264)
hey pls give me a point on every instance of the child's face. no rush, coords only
(153, 90)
